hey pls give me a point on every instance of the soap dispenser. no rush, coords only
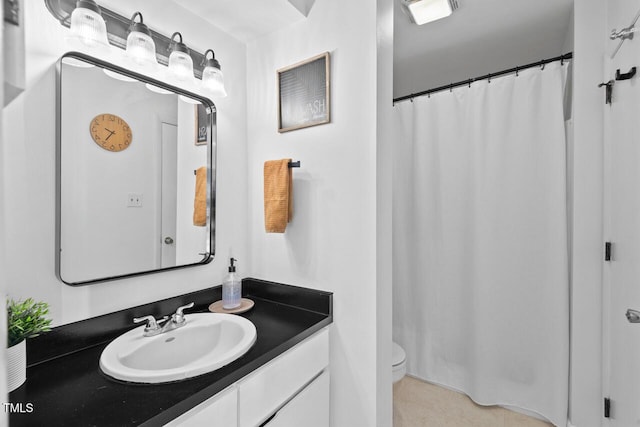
(231, 288)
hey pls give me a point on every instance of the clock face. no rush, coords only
(110, 132)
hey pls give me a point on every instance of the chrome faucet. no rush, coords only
(177, 319)
(153, 326)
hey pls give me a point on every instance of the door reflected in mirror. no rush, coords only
(136, 174)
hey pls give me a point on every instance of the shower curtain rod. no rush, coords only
(486, 76)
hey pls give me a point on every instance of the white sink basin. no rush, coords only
(207, 342)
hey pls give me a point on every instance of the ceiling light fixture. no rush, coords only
(141, 48)
(212, 77)
(180, 62)
(423, 11)
(87, 25)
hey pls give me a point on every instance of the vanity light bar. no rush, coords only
(118, 30)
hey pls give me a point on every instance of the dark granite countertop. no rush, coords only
(66, 387)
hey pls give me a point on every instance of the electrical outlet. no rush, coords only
(134, 200)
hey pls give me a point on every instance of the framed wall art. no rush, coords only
(303, 94)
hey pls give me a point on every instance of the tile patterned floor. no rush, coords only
(420, 404)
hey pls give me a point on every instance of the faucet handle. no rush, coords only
(178, 317)
(152, 323)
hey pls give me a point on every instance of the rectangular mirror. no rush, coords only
(136, 174)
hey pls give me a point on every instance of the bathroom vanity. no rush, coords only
(283, 380)
(291, 390)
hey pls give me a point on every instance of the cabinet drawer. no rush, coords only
(263, 392)
(310, 407)
(220, 410)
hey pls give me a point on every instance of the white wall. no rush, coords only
(385, 138)
(586, 312)
(569, 44)
(28, 169)
(3, 260)
(332, 241)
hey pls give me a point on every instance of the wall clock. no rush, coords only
(110, 132)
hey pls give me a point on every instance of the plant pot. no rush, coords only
(16, 365)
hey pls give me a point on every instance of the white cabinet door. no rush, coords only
(261, 393)
(294, 385)
(309, 408)
(220, 410)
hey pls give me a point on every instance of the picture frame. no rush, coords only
(304, 93)
(201, 124)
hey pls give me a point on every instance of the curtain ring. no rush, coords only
(542, 64)
(489, 78)
(451, 87)
(470, 81)
(517, 71)
(562, 61)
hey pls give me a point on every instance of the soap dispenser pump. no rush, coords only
(231, 288)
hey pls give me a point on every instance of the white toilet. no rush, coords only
(399, 362)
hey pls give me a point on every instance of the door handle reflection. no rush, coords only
(633, 316)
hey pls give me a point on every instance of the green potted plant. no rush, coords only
(25, 319)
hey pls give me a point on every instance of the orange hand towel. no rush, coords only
(278, 195)
(200, 200)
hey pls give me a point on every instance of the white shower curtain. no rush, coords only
(481, 294)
